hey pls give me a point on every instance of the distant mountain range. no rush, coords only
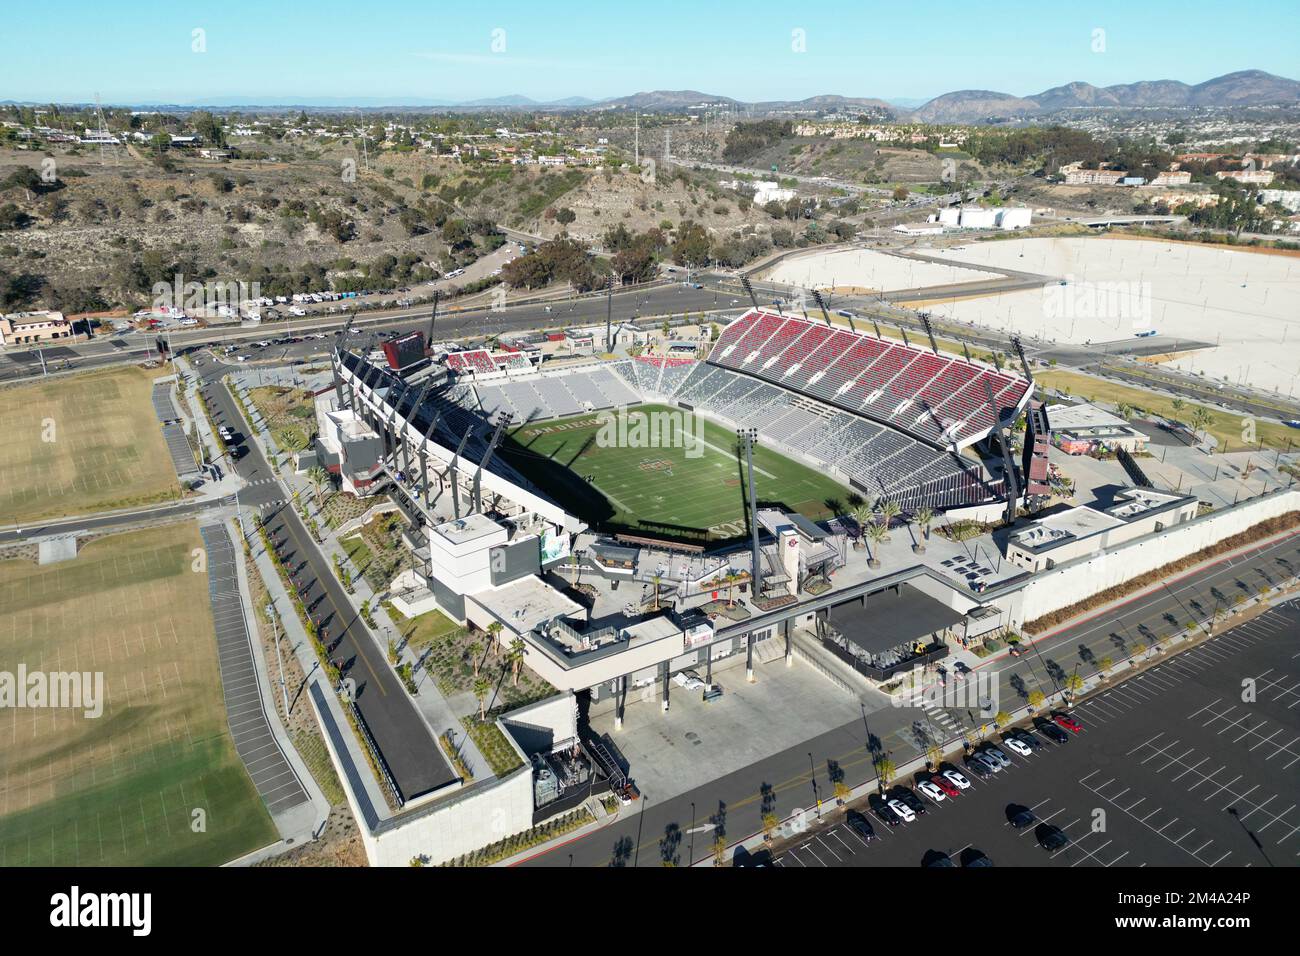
(1245, 88)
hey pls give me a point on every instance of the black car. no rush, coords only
(1052, 837)
(1023, 818)
(974, 857)
(860, 825)
(1028, 739)
(909, 799)
(882, 812)
(1053, 732)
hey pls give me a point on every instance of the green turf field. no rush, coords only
(617, 478)
(121, 789)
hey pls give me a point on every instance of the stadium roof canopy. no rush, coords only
(886, 619)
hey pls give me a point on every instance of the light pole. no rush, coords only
(270, 613)
(749, 437)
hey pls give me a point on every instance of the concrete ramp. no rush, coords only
(54, 550)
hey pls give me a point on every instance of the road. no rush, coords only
(796, 778)
(628, 305)
(404, 739)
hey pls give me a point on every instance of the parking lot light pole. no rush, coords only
(284, 690)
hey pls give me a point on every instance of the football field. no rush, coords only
(154, 779)
(662, 471)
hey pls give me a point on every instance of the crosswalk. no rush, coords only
(940, 717)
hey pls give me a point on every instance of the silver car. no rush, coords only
(997, 756)
(986, 764)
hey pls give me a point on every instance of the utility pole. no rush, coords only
(636, 161)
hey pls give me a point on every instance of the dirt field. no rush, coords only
(121, 788)
(82, 444)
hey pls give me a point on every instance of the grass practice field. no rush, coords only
(121, 789)
(619, 479)
(82, 443)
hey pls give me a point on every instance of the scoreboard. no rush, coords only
(404, 351)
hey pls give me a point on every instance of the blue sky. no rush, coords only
(287, 51)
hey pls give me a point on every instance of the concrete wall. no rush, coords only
(484, 812)
(455, 825)
(1078, 580)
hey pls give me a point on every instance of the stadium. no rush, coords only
(884, 419)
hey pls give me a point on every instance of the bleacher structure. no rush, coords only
(936, 398)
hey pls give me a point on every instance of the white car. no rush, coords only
(241, 358)
(931, 791)
(225, 433)
(958, 780)
(1017, 747)
(903, 811)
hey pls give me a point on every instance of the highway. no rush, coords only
(628, 305)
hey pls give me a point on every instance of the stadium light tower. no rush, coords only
(749, 437)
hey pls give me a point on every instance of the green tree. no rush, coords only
(878, 533)
(515, 657)
(482, 687)
(319, 479)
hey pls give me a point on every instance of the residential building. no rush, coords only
(30, 328)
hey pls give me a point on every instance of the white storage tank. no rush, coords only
(974, 217)
(1015, 218)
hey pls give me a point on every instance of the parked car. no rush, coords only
(909, 799)
(932, 791)
(981, 766)
(903, 811)
(883, 812)
(859, 824)
(1023, 818)
(956, 778)
(997, 756)
(1017, 746)
(1068, 722)
(947, 786)
(1026, 738)
(1051, 837)
(1053, 732)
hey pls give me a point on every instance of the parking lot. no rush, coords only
(1193, 763)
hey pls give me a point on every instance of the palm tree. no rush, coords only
(655, 581)
(494, 637)
(889, 510)
(474, 649)
(481, 688)
(877, 532)
(924, 515)
(319, 478)
(732, 577)
(864, 515)
(516, 657)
